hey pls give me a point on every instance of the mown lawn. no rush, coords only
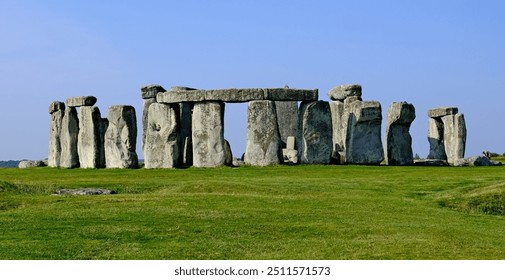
(281, 212)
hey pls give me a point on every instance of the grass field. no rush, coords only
(281, 212)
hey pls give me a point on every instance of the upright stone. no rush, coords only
(121, 137)
(185, 144)
(454, 137)
(287, 119)
(162, 136)
(314, 134)
(148, 93)
(88, 143)
(228, 154)
(208, 134)
(104, 124)
(436, 139)
(263, 138)
(69, 134)
(363, 140)
(57, 111)
(398, 140)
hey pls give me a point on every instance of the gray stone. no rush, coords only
(104, 124)
(89, 145)
(145, 109)
(84, 191)
(187, 151)
(430, 162)
(208, 134)
(185, 134)
(363, 140)
(476, 161)
(287, 119)
(161, 148)
(290, 143)
(150, 91)
(263, 140)
(344, 91)
(288, 94)
(454, 137)
(314, 139)
(290, 156)
(81, 101)
(181, 88)
(31, 163)
(57, 111)
(121, 137)
(398, 140)
(436, 139)
(442, 111)
(69, 157)
(339, 126)
(228, 154)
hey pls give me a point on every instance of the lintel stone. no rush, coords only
(81, 101)
(150, 91)
(442, 111)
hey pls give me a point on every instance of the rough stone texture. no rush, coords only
(161, 148)
(290, 143)
(237, 95)
(31, 163)
(89, 145)
(476, 161)
(287, 119)
(344, 91)
(442, 111)
(145, 109)
(228, 154)
(57, 111)
(363, 140)
(121, 137)
(186, 142)
(314, 141)
(104, 124)
(187, 152)
(454, 137)
(436, 139)
(430, 162)
(290, 156)
(208, 134)
(150, 91)
(339, 126)
(263, 139)
(68, 139)
(398, 140)
(84, 191)
(81, 101)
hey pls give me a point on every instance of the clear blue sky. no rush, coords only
(429, 53)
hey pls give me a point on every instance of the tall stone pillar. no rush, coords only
(89, 145)
(161, 148)
(208, 134)
(287, 119)
(148, 94)
(315, 133)
(121, 137)
(398, 140)
(454, 137)
(57, 111)
(69, 134)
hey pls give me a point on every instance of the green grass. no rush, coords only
(281, 212)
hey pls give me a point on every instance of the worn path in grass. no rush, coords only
(282, 212)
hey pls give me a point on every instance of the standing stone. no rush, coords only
(287, 119)
(228, 155)
(186, 143)
(398, 140)
(454, 137)
(290, 154)
(57, 111)
(148, 93)
(436, 139)
(69, 134)
(121, 137)
(263, 140)
(208, 134)
(363, 143)
(104, 124)
(88, 143)
(314, 135)
(161, 149)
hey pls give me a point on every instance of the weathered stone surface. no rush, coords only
(68, 139)
(121, 137)
(150, 91)
(104, 124)
(475, 161)
(430, 162)
(237, 95)
(287, 119)
(186, 142)
(84, 191)
(145, 109)
(343, 91)
(314, 141)
(442, 111)
(31, 163)
(81, 101)
(398, 140)
(228, 154)
(187, 151)
(339, 126)
(263, 139)
(89, 143)
(454, 137)
(436, 139)
(161, 148)
(57, 111)
(290, 156)
(363, 140)
(290, 143)
(208, 134)
(181, 88)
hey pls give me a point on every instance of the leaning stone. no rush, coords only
(208, 134)
(57, 111)
(314, 135)
(340, 93)
(454, 137)
(398, 140)
(121, 137)
(31, 163)
(88, 143)
(287, 119)
(161, 148)
(68, 139)
(263, 140)
(150, 91)
(442, 111)
(436, 139)
(84, 191)
(363, 143)
(228, 154)
(81, 101)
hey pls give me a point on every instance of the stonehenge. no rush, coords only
(184, 126)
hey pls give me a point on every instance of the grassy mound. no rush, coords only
(484, 199)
